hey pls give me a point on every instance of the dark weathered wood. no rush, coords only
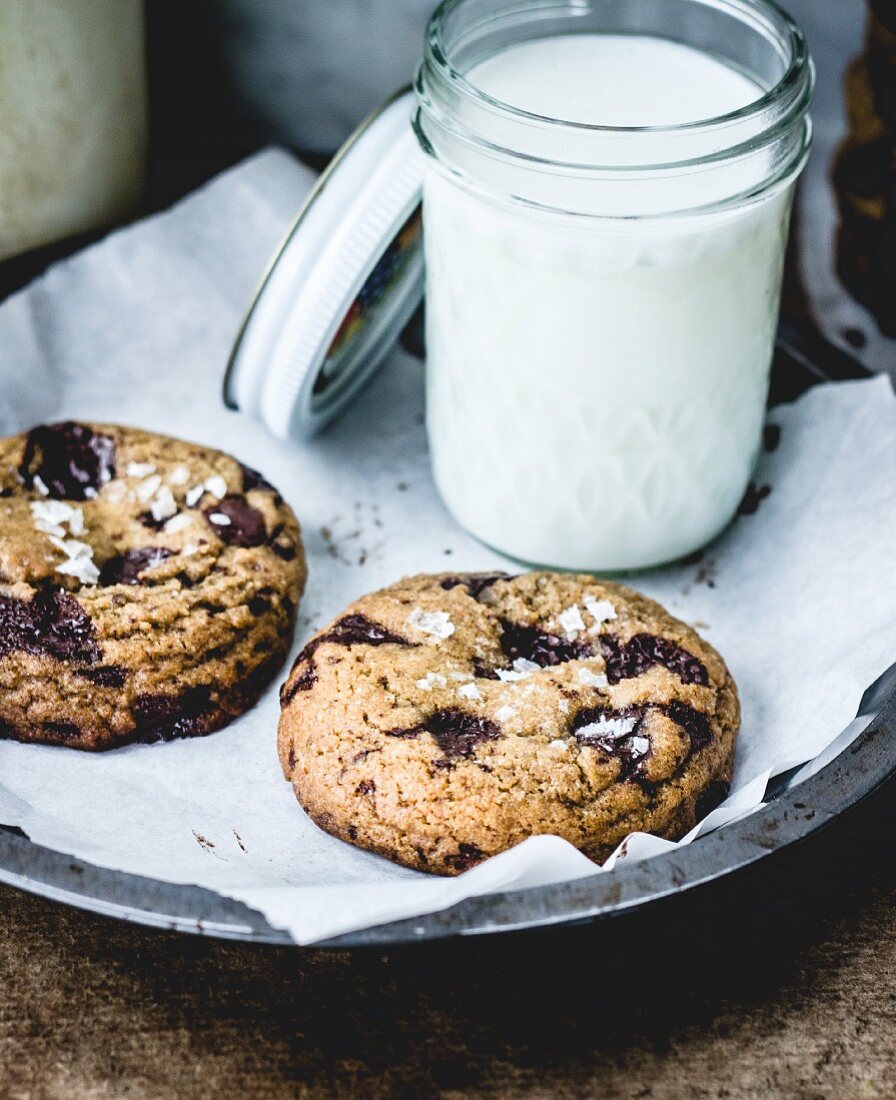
(783, 984)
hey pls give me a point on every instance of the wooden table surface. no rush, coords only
(779, 986)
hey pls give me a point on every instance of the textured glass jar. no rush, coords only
(602, 301)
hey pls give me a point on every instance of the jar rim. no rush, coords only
(797, 75)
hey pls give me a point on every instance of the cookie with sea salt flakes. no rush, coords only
(148, 586)
(447, 718)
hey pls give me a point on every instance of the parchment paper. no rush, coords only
(800, 597)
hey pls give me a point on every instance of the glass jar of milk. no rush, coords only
(606, 201)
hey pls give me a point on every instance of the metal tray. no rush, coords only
(795, 811)
(791, 816)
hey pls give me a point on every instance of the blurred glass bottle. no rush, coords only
(73, 118)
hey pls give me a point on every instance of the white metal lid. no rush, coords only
(342, 285)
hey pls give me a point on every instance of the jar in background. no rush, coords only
(73, 118)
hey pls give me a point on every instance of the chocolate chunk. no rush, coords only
(366, 786)
(536, 645)
(104, 676)
(51, 624)
(68, 731)
(126, 568)
(304, 682)
(283, 549)
(241, 525)
(252, 479)
(348, 631)
(163, 717)
(694, 722)
(150, 521)
(363, 754)
(72, 461)
(628, 748)
(587, 716)
(258, 605)
(281, 544)
(455, 731)
(482, 671)
(468, 855)
(475, 583)
(752, 498)
(714, 795)
(771, 437)
(628, 659)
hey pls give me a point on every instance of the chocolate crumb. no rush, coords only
(752, 498)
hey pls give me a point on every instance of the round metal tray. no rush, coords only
(790, 816)
(793, 813)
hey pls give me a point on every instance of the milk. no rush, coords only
(596, 385)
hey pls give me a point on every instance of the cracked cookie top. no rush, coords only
(148, 586)
(448, 717)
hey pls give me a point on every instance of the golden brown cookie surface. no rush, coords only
(447, 718)
(148, 586)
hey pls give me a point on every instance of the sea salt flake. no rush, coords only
(504, 714)
(563, 706)
(216, 485)
(51, 511)
(38, 482)
(469, 691)
(140, 469)
(189, 550)
(608, 728)
(571, 620)
(520, 670)
(76, 522)
(592, 679)
(82, 568)
(180, 475)
(50, 529)
(431, 680)
(219, 518)
(558, 744)
(436, 623)
(178, 523)
(90, 492)
(194, 495)
(147, 489)
(72, 548)
(163, 505)
(602, 611)
(639, 745)
(116, 491)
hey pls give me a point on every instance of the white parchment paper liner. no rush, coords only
(800, 598)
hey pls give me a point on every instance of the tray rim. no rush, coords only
(794, 815)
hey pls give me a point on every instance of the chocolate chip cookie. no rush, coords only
(148, 586)
(447, 718)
